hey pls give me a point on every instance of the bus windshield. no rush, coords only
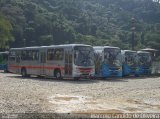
(131, 58)
(112, 56)
(84, 56)
(3, 58)
(144, 59)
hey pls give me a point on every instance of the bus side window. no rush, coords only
(58, 54)
(12, 56)
(23, 54)
(18, 59)
(18, 56)
(43, 57)
(55, 54)
(50, 54)
(35, 55)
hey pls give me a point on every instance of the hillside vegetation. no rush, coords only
(95, 22)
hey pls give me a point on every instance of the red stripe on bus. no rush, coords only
(37, 67)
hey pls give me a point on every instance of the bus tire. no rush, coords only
(23, 72)
(40, 76)
(5, 70)
(136, 75)
(57, 74)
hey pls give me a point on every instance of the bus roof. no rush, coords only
(35, 47)
(5, 52)
(129, 51)
(50, 46)
(106, 47)
(72, 45)
(143, 52)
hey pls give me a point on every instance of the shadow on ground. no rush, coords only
(81, 81)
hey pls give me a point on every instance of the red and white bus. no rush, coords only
(59, 61)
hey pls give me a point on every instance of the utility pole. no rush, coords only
(133, 33)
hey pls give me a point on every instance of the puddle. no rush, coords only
(67, 99)
(68, 103)
(83, 104)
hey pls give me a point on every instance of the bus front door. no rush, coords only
(18, 63)
(42, 62)
(68, 63)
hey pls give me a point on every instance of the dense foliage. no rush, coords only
(5, 35)
(95, 22)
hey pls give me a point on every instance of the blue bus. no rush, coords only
(3, 61)
(130, 63)
(145, 62)
(108, 61)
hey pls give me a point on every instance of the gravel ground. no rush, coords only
(19, 95)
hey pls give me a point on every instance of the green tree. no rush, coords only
(95, 22)
(5, 33)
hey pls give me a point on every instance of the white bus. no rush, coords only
(59, 61)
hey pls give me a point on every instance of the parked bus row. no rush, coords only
(112, 61)
(78, 61)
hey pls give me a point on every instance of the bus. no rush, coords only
(108, 61)
(130, 63)
(59, 61)
(145, 62)
(3, 61)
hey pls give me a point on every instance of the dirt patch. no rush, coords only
(20, 95)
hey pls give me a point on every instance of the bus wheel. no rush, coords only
(136, 75)
(58, 74)
(23, 72)
(5, 70)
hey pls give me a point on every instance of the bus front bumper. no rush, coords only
(84, 75)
